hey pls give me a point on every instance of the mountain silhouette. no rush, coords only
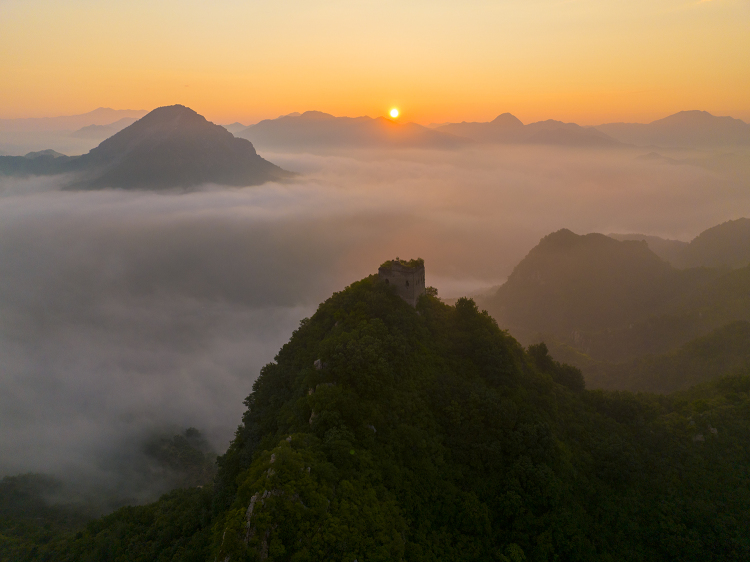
(667, 249)
(172, 146)
(506, 128)
(686, 129)
(617, 300)
(100, 116)
(103, 131)
(572, 282)
(315, 131)
(727, 244)
(235, 127)
(724, 245)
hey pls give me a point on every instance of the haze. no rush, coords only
(584, 61)
(124, 313)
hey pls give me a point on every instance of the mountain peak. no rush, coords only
(507, 120)
(170, 147)
(173, 115)
(313, 115)
(315, 131)
(174, 146)
(684, 129)
(571, 282)
(693, 117)
(564, 239)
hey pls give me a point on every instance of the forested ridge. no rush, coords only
(381, 432)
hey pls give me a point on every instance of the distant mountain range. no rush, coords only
(614, 300)
(724, 245)
(103, 131)
(506, 128)
(101, 116)
(314, 131)
(317, 131)
(686, 129)
(170, 147)
(235, 128)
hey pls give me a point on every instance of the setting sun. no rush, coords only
(394, 112)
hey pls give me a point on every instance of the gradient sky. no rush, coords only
(577, 60)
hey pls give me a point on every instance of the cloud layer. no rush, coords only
(124, 313)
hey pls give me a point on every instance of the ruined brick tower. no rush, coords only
(406, 276)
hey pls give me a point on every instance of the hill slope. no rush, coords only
(724, 350)
(430, 434)
(727, 244)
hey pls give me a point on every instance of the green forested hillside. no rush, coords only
(38, 513)
(382, 432)
(29, 524)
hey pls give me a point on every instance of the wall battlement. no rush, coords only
(406, 276)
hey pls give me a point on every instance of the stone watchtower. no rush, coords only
(406, 276)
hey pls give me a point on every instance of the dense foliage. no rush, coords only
(414, 263)
(188, 458)
(28, 523)
(39, 515)
(382, 432)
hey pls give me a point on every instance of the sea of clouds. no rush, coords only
(125, 313)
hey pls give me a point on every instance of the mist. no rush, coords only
(124, 313)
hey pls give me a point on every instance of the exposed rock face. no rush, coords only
(259, 498)
(407, 277)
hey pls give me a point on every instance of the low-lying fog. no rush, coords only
(128, 313)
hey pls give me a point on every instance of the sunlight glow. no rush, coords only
(394, 113)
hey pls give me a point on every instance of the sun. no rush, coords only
(394, 112)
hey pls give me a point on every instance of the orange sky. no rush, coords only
(588, 61)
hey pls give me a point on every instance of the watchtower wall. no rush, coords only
(407, 277)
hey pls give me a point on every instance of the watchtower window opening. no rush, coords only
(407, 282)
(387, 282)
